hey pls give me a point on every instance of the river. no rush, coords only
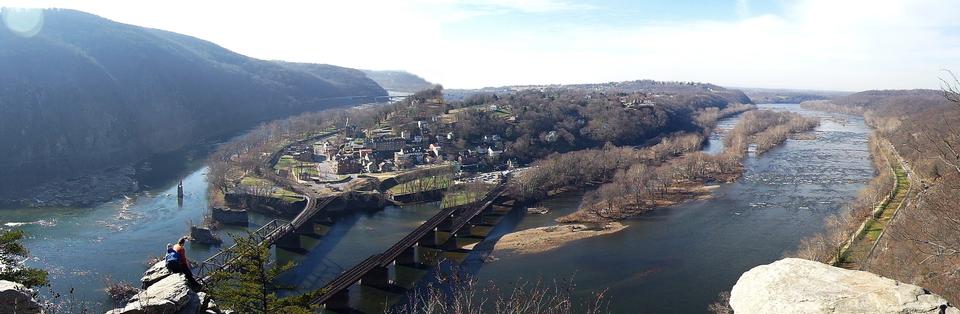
(678, 259)
(82, 247)
(674, 259)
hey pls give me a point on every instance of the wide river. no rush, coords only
(672, 260)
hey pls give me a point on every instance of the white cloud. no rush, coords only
(743, 8)
(825, 44)
(528, 5)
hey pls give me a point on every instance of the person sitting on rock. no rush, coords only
(183, 265)
(172, 258)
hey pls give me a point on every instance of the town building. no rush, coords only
(347, 165)
(385, 144)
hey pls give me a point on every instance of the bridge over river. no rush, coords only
(374, 271)
(456, 221)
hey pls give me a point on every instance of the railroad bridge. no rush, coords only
(455, 221)
(279, 232)
(374, 271)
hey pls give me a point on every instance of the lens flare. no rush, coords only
(23, 22)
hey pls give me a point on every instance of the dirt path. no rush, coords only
(861, 247)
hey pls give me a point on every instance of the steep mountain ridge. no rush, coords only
(399, 81)
(87, 93)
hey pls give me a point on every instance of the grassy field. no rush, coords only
(422, 184)
(451, 116)
(463, 196)
(285, 195)
(288, 163)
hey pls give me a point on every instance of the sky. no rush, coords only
(804, 44)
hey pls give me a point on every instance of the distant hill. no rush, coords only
(399, 81)
(789, 96)
(87, 93)
(685, 89)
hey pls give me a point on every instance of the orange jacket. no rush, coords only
(183, 254)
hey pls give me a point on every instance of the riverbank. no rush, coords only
(544, 239)
(678, 259)
(862, 242)
(644, 186)
(673, 195)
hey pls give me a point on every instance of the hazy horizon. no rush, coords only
(809, 44)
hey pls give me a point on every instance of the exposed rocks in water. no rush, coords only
(538, 210)
(795, 285)
(227, 216)
(166, 292)
(203, 235)
(85, 191)
(17, 298)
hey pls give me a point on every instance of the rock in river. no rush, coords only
(795, 285)
(16, 298)
(227, 216)
(203, 235)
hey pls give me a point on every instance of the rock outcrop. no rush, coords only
(795, 285)
(154, 274)
(167, 293)
(17, 298)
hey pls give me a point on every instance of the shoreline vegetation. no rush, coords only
(645, 185)
(918, 244)
(643, 179)
(520, 126)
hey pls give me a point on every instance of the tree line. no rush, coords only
(632, 180)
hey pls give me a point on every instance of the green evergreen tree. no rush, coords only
(12, 254)
(250, 286)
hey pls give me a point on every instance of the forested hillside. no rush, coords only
(87, 93)
(687, 91)
(398, 81)
(789, 96)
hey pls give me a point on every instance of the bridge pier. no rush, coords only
(446, 224)
(429, 239)
(339, 302)
(291, 242)
(476, 220)
(464, 231)
(309, 229)
(451, 244)
(408, 257)
(378, 277)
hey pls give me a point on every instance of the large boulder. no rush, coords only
(795, 285)
(154, 274)
(16, 298)
(170, 295)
